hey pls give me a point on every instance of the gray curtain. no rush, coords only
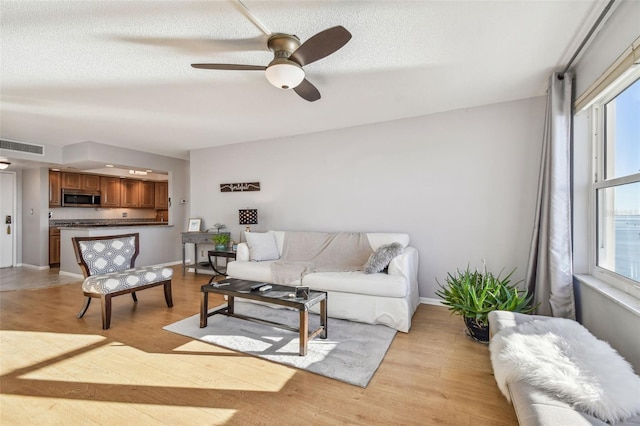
(550, 269)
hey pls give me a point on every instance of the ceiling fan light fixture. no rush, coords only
(286, 75)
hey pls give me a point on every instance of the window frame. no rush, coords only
(598, 182)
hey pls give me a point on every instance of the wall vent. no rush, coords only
(22, 147)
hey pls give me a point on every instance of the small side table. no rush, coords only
(227, 254)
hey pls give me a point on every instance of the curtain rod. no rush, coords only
(589, 34)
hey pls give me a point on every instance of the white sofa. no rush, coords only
(388, 298)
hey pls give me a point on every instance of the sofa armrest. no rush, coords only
(405, 264)
(242, 252)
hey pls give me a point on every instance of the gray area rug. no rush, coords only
(351, 353)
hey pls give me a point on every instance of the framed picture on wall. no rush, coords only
(194, 224)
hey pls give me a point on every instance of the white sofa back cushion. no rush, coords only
(262, 246)
(377, 239)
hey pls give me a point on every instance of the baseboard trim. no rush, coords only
(26, 265)
(71, 274)
(177, 262)
(431, 301)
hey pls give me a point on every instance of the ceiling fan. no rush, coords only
(285, 70)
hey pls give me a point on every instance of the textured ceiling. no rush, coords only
(118, 72)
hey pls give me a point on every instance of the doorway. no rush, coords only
(7, 219)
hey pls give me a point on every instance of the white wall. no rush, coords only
(461, 183)
(34, 213)
(601, 314)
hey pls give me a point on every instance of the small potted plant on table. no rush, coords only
(221, 241)
(473, 294)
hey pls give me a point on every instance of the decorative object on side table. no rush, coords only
(221, 241)
(194, 224)
(219, 226)
(248, 217)
(473, 294)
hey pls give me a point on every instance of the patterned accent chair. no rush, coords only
(108, 266)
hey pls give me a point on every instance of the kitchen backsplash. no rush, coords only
(100, 213)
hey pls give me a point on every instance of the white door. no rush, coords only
(7, 218)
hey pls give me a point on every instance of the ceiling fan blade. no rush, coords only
(307, 91)
(232, 67)
(198, 46)
(321, 45)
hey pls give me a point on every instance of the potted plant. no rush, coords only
(473, 294)
(221, 241)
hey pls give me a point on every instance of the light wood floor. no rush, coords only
(25, 278)
(56, 369)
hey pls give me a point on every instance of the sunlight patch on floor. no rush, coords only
(22, 349)
(92, 360)
(37, 411)
(272, 376)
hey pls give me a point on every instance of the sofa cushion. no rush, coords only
(381, 257)
(262, 246)
(253, 271)
(357, 282)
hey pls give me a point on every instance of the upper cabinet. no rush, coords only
(147, 194)
(162, 195)
(110, 191)
(80, 181)
(54, 189)
(114, 191)
(130, 193)
(91, 182)
(71, 180)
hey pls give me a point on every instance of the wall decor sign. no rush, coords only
(240, 187)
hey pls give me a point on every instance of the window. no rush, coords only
(616, 186)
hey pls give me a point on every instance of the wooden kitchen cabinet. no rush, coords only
(147, 194)
(83, 182)
(115, 191)
(91, 182)
(162, 195)
(54, 189)
(110, 191)
(130, 193)
(54, 246)
(71, 180)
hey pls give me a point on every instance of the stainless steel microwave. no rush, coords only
(75, 198)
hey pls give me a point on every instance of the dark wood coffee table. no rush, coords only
(278, 295)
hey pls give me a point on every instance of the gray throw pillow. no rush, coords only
(381, 257)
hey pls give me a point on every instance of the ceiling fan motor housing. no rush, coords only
(283, 45)
(283, 72)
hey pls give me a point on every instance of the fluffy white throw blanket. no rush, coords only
(307, 252)
(561, 357)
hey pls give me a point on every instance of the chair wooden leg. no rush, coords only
(167, 294)
(135, 298)
(87, 301)
(106, 311)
